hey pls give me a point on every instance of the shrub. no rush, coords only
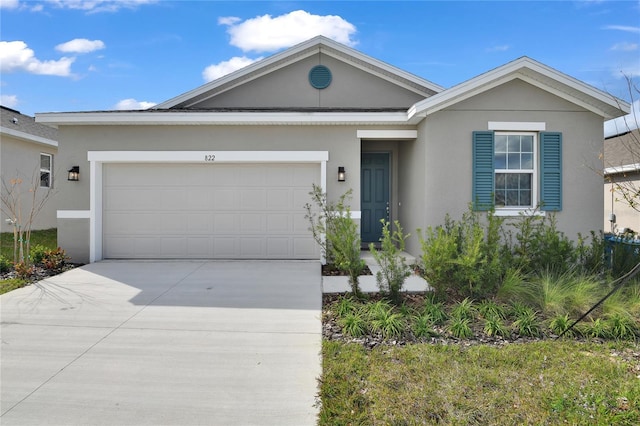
(439, 249)
(393, 267)
(37, 253)
(23, 270)
(336, 234)
(560, 324)
(345, 306)
(353, 324)
(494, 326)
(388, 323)
(345, 245)
(435, 311)
(5, 264)
(422, 326)
(622, 326)
(526, 323)
(54, 260)
(464, 310)
(598, 328)
(460, 328)
(488, 308)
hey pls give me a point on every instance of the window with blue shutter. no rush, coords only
(483, 171)
(514, 171)
(551, 171)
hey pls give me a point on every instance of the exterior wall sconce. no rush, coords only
(74, 173)
(342, 175)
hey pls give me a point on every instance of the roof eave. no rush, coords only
(220, 118)
(294, 53)
(601, 103)
(27, 137)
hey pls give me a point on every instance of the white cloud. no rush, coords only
(10, 101)
(130, 104)
(266, 33)
(626, 28)
(9, 4)
(223, 68)
(16, 56)
(228, 20)
(95, 6)
(626, 47)
(623, 124)
(80, 45)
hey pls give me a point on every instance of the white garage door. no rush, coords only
(217, 211)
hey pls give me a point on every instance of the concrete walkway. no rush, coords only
(368, 283)
(171, 343)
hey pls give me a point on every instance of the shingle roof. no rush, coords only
(622, 150)
(14, 120)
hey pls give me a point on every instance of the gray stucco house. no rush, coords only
(223, 171)
(28, 152)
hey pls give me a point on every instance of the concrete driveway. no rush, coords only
(162, 343)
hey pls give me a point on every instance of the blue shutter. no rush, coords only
(551, 171)
(483, 174)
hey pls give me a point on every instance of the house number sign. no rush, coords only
(209, 157)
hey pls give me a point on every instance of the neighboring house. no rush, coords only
(224, 170)
(622, 172)
(27, 159)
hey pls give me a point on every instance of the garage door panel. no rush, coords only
(253, 199)
(208, 211)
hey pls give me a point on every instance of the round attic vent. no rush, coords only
(320, 77)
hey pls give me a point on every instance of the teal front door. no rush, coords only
(374, 203)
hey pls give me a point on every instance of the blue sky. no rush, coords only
(85, 55)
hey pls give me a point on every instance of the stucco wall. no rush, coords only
(626, 217)
(21, 159)
(341, 141)
(289, 87)
(448, 157)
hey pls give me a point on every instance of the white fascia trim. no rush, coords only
(314, 46)
(517, 126)
(507, 73)
(220, 118)
(28, 137)
(98, 158)
(73, 214)
(205, 156)
(627, 168)
(387, 134)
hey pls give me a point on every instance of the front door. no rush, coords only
(374, 201)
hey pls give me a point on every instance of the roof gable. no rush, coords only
(315, 46)
(534, 73)
(24, 127)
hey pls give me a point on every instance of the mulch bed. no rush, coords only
(40, 273)
(333, 332)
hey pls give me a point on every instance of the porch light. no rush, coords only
(74, 173)
(342, 175)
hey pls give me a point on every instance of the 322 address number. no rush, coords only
(209, 157)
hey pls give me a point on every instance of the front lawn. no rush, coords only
(544, 382)
(41, 241)
(46, 238)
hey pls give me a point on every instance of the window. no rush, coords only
(46, 166)
(515, 171)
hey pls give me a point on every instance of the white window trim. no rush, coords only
(50, 170)
(98, 158)
(517, 126)
(528, 210)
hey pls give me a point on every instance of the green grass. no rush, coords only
(11, 284)
(547, 382)
(46, 238)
